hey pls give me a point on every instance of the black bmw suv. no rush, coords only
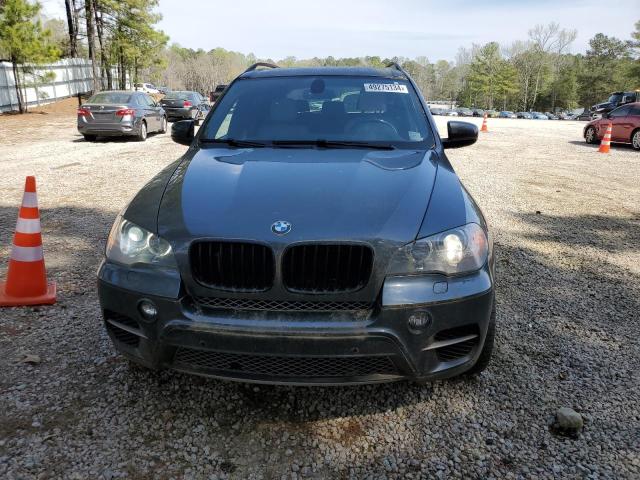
(313, 233)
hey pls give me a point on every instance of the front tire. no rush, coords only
(635, 140)
(142, 134)
(487, 348)
(590, 136)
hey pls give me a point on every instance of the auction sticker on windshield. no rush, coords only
(385, 87)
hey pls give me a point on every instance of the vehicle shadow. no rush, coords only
(614, 146)
(124, 139)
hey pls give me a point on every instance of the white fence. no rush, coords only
(69, 77)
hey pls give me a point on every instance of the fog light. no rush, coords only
(148, 310)
(419, 321)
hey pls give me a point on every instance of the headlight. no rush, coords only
(457, 251)
(128, 244)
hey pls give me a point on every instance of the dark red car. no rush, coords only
(625, 123)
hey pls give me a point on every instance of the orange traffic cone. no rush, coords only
(605, 144)
(27, 278)
(484, 124)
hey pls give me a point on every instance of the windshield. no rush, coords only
(178, 95)
(308, 109)
(110, 98)
(615, 98)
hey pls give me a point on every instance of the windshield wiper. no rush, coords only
(236, 143)
(333, 144)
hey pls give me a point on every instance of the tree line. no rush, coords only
(535, 73)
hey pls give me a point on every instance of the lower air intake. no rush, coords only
(301, 367)
(281, 305)
(460, 349)
(114, 321)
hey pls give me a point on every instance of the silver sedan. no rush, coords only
(121, 113)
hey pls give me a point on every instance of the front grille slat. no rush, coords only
(232, 266)
(283, 366)
(231, 270)
(330, 269)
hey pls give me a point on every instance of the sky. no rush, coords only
(410, 28)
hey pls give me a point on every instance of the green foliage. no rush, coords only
(491, 77)
(133, 41)
(603, 70)
(22, 37)
(24, 40)
(634, 67)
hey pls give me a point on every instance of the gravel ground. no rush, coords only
(566, 222)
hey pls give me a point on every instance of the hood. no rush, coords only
(601, 106)
(326, 194)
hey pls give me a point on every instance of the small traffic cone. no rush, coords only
(484, 124)
(605, 144)
(27, 278)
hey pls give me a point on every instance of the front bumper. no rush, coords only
(302, 347)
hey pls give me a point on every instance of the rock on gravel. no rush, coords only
(568, 294)
(568, 421)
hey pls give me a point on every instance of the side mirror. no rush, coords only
(182, 132)
(460, 134)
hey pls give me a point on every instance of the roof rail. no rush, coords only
(260, 64)
(397, 66)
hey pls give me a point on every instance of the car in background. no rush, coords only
(585, 115)
(146, 88)
(615, 100)
(551, 116)
(507, 114)
(164, 90)
(492, 113)
(185, 105)
(526, 115)
(465, 112)
(450, 113)
(436, 111)
(478, 112)
(219, 90)
(121, 113)
(625, 126)
(539, 116)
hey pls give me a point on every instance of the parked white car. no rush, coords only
(146, 88)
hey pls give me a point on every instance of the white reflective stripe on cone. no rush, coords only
(26, 254)
(28, 225)
(30, 199)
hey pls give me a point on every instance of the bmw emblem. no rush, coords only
(281, 227)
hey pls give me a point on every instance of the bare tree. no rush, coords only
(547, 40)
(88, 6)
(72, 24)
